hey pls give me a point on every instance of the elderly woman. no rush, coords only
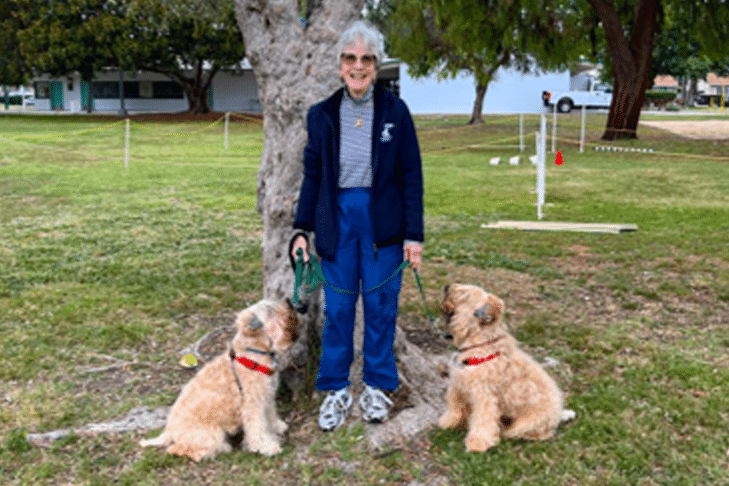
(362, 195)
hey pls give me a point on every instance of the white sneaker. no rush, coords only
(334, 409)
(375, 404)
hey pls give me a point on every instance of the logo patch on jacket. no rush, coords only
(386, 136)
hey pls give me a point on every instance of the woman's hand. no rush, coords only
(413, 253)
(300, 242)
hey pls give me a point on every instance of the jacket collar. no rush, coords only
(331, 105)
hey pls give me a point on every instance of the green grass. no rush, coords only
(102, 263)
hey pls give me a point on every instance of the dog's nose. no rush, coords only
(445, 289)
(301, 308)
(449, 337)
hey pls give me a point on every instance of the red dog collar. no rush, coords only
(252, 365)
(478, 361)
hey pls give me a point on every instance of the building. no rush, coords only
(143, 92)
(510, 92)
(714, 86)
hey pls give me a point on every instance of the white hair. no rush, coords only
(370, 36)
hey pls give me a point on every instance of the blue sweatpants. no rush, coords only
(359, 266)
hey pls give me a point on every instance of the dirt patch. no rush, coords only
(694, 129)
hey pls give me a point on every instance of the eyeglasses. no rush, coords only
(368, 60)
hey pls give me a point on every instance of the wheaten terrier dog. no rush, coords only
(235, 391)
(501, 390)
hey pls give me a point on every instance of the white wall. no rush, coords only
(235, 92)
(509, 92)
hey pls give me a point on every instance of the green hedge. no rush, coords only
(659, 98)
(13, 100)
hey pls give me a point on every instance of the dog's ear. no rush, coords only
(289, 304)
(448, 306)
(490, 311)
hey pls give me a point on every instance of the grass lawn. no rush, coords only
(107, 267)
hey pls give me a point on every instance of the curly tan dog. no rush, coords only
(235, 391)
(501, 390)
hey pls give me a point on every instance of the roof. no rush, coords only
(664, 81)
(712, 78)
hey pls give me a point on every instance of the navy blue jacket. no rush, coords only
(396, 206)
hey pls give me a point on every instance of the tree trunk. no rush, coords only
(196, 87)
(631, 64)
(296, 66)
(476, 115)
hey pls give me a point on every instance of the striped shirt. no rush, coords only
(355, 150)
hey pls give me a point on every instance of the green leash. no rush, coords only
(311, 274)
(314, 275)
(422, 294)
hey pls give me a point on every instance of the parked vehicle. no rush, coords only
(598, 96)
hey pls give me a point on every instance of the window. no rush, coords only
(136, 89)
(167, 89)
(145, 89)
(131, 89)
(43, 90)
(105, 89)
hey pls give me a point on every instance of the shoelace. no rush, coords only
(334, 408)
(375, 403)
(336, 402)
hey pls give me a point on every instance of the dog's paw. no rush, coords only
(268, 447)
(567, 415)
(280, 427)
(479, 444)
(449, 420)
(160, 440)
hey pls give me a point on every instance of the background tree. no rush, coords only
(14, 70)
(629, 28)
(59, 37)
(188, 41)
(291, 47)
(711, 21)
(678, 53)
(480, 36)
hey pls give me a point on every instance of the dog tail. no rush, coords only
(162, 440)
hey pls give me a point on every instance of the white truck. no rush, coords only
(598, 95)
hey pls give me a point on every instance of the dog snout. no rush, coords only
(301, 308)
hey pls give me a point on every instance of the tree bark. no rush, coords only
(476, 115)
(631, 63)
(296, 65)
(196, 87)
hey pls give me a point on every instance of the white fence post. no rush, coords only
(126, 145)
(541, 156)
(554, 129)
(582, 130)
(225, 140)
(521, 132)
